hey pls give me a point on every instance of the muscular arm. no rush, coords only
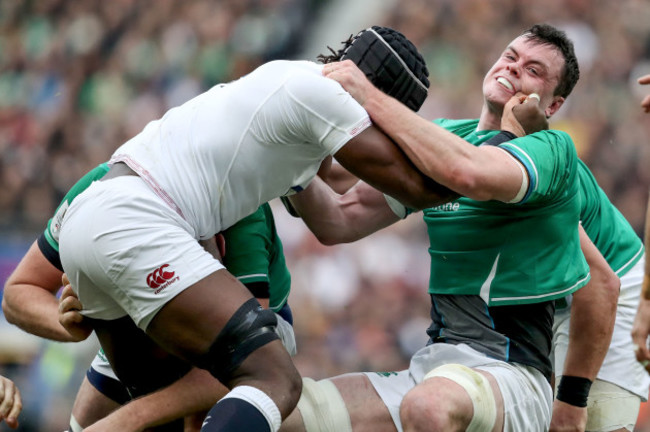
(375, 159)
(593, 310)
(29, 299)
(480, 173)
(336, 218)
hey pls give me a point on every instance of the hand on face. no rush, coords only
(351, 78)
(522, 115)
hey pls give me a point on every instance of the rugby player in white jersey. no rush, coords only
(129, 242)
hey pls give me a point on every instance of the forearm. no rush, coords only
(435, 151)
(335, 218)
(196, 391)
(34, 310)
(480, 173)
(590, 332)
(593, 312)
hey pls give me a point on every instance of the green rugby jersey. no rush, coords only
(254, 254)
(512, 254)
(606, 226)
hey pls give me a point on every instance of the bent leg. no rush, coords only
(341, 404)
(190, 326)
(454, 398)
(90, 405)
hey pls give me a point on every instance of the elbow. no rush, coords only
(613, 289)
(6, 307)
(468, 183)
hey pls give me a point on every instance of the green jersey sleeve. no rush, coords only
(550, 160)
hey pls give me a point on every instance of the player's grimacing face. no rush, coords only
(525, 66)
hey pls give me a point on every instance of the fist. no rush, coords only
(522, 115)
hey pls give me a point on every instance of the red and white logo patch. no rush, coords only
(161, 278)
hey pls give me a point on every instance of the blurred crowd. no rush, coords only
(79, 78)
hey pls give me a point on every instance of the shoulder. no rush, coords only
(457, 126)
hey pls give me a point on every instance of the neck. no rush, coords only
(489, 119)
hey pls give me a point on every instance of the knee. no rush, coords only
(426, 408)
(452, 397)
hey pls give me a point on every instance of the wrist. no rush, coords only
(574, 390)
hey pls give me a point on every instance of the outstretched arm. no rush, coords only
(374, 158)
(480, 173)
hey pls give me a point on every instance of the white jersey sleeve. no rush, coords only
(327, 109)
(218, 157)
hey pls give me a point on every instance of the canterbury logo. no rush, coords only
(160, 279)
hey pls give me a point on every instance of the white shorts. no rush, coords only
(620, 366)
(127, 252)
(101, 365)
(527, 395)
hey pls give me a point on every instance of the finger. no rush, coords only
(7, 394)
(72, 317)
(533, 97)
(12, 417)
(512, 102)
(67, 292)
(645, 103)
(644, 79)
(69, 305)
(64, 279)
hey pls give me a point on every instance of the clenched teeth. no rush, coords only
(504, 82)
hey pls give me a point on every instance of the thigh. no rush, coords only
(127, 253)
(190, 322)
(527, 396)
(368, 411)
(390, 388)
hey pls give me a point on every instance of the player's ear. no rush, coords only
(555, 105)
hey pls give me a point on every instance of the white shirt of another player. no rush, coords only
(219, 156)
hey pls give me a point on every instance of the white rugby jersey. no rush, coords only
(219, 156)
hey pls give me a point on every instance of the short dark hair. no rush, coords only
(390, 61)
(548, 35)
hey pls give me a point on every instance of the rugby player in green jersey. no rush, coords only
(499, 259)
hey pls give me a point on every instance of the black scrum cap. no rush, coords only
(392, 63)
